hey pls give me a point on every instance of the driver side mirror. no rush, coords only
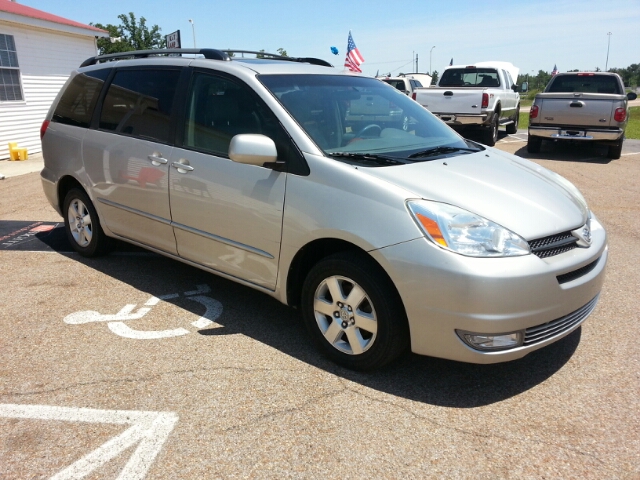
(632, 95)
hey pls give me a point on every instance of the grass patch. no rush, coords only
(524, 120)
(632, 131)
(633, 127)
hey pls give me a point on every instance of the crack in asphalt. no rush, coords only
(311, 402)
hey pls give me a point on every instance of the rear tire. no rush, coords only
(615, 151)
(491, 133)
(82, 225)
(353, 312)
(513, 127)
(534, 144)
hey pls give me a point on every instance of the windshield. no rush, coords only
(349, 116)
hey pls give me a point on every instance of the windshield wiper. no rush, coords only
(440, 151)
(369, 157)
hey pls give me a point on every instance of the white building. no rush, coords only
(37, 52)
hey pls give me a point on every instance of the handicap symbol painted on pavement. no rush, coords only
(116, 324)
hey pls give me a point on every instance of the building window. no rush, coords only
(10, 89)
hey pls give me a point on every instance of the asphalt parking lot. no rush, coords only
(137, 366)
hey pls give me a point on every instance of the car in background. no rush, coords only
(589, 107)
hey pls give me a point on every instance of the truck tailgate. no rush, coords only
(580, 109)
(450, 100)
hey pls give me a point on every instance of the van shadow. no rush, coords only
(264, 319)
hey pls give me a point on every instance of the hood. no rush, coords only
(515, 193)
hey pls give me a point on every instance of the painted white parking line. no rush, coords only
(149, 429)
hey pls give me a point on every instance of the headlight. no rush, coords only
(464, 232)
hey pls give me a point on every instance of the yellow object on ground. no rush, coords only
(16, 153)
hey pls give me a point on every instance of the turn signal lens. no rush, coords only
(43, 128)
(533, 113)
(620, 115)
(485, 100)
(432, 229)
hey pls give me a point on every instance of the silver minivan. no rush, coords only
(332, 192)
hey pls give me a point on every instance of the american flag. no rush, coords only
(554, 71)
(451, 62)
(354, 59)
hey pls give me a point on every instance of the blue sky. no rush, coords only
(533, 35)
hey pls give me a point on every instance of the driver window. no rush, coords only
(218, 109)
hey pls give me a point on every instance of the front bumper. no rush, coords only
(444, 292)
(576, 133)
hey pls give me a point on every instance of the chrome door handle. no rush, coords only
(157, 159)
(182, 167)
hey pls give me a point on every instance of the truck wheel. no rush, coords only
(615, 150)
(82, 225)
(534, 144)
(513, 127)
(353, 312)
(491, 133)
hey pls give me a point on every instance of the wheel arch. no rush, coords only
(312, 253)
(65, 184)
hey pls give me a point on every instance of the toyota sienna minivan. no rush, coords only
(333, 192)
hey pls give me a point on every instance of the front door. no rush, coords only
(226, 216)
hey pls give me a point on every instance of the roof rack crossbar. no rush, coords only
(208, 53)
(275, 56)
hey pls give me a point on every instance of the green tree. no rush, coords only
(130, 35)
(434, 77)
(282, 52)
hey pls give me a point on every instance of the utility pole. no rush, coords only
(417, 70)
(430, 59)
(606, 65)
(193, 29)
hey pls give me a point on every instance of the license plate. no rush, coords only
(572, 133)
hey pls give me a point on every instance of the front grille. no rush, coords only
(550, 329)
(568, 277)
(553, 245)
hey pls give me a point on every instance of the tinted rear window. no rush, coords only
(470, 77)
(79, 98)
(585, 84)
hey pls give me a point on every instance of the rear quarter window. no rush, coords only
(79, 99)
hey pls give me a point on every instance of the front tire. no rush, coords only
(82, 225)
(353, 312)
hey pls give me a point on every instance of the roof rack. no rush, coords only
(208, 53)
(313, 61)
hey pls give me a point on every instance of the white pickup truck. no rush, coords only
(408, 83)
(480, 96)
